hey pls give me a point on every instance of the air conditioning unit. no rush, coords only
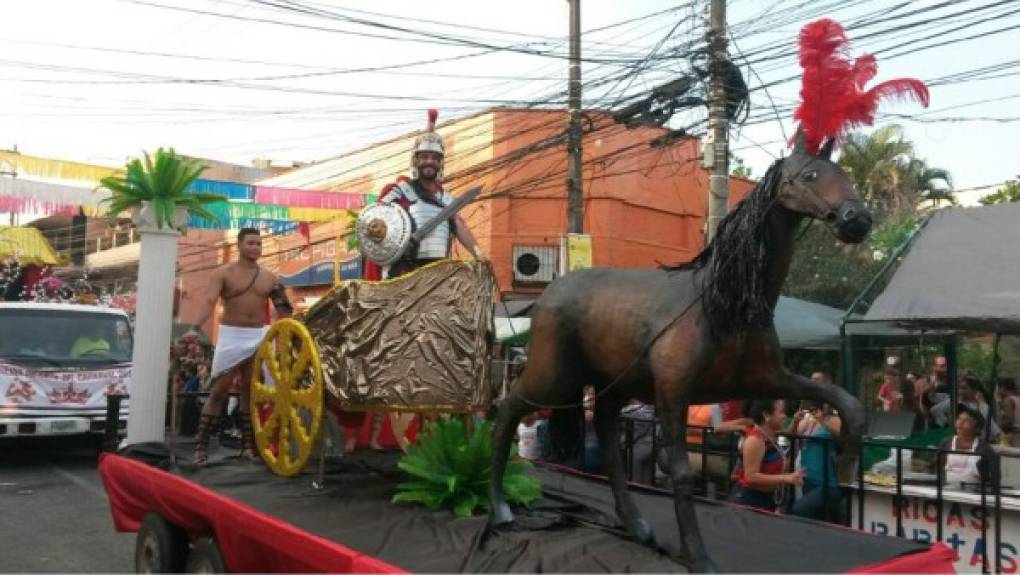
(535, 264)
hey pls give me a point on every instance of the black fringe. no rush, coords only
(734, 296)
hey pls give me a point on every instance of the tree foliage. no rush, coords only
(740, 169)
(827, 271)
(1006, 194)
(886, 171)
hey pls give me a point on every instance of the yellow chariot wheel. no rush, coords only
(286, 397)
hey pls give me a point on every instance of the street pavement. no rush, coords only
(54, 514)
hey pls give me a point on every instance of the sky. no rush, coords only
(303, 80)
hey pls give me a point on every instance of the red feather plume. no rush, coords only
(433, 115)
(833, 98)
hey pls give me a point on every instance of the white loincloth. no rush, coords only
(234, 345)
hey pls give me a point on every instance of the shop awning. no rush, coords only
(962, 272)
(27, 245)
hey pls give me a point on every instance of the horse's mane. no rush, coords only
(734, 289)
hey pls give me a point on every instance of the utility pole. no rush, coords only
(717, 149)
(575, 206)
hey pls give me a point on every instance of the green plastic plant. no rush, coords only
(450, 467)
(163, 180)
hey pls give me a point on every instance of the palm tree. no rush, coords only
(876, 164)
(934, 184)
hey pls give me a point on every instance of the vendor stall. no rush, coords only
(956, 276)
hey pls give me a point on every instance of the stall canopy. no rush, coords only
(28, 246)
(806, 325)
(800, 324)
(962, 273)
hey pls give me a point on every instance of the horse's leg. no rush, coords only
(607, 411)
(673, 418)
(507, 417)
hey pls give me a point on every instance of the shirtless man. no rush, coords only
(244, 288)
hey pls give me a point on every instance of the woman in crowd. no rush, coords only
(972, 394)
(762, 469)
(1009, 410)
(821, 495)
(963, 468)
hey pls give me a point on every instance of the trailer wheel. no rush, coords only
(160, 547)
(205, 557)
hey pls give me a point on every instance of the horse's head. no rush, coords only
(814, 186)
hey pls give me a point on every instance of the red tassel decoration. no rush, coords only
(833, 99)
(433, 115)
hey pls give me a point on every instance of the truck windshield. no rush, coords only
(61, 337)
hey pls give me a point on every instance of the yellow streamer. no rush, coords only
(298, 214)
(54, 169)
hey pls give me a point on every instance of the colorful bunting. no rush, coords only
(308, 198)
(53, 169)
(231, 190)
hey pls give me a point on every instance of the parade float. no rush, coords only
(422, 343)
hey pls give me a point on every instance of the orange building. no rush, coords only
(643, 204)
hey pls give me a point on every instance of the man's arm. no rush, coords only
(208, 299)
(278, 296)
(466, 238)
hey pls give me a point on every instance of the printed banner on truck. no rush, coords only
(61, 387)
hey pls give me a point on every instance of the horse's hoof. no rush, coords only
(641, 531)
(501, 515)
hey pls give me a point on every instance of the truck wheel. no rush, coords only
(205, 557)
(160, 547)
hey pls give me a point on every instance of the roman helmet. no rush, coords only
(428, 141)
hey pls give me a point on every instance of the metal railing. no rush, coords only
(989, 488)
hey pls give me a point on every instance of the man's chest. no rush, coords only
(238, 283)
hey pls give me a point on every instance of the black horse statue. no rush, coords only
(700, 332)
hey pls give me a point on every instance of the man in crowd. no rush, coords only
(244, 288)
(931, 391)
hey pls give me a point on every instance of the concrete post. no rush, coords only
(153, 325)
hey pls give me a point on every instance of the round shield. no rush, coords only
(384, 232)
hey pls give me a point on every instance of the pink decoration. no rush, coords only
(308, 199)
(23, 205)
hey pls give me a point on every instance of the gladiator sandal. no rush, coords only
(247, 437)
(206, 424)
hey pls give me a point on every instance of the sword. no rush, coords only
(454, 207)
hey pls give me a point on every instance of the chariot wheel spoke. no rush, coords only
(261, 393)
(308, 398)
(298, 428)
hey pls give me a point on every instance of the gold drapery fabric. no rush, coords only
(419, 342)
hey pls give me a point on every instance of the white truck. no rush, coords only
(58, 364)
